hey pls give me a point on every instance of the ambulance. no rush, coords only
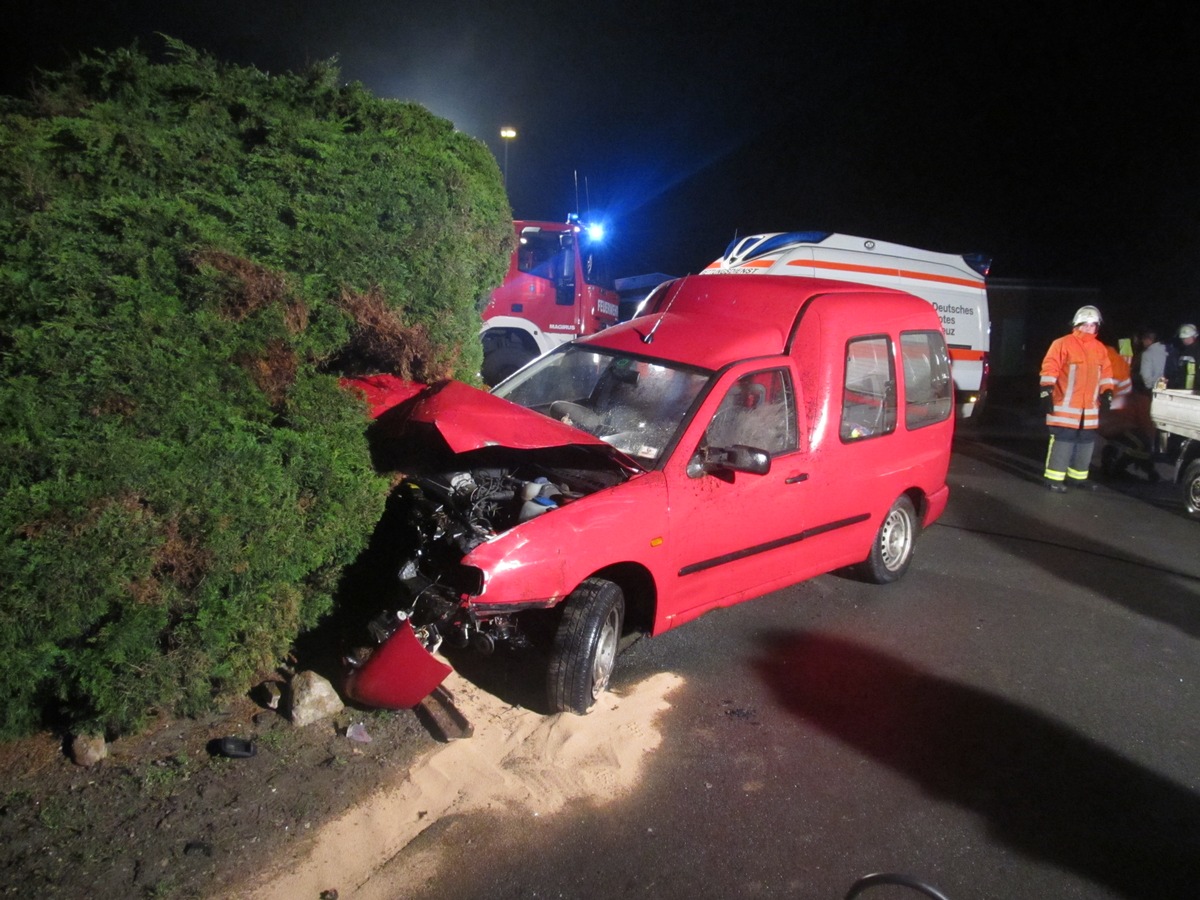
(953, 284)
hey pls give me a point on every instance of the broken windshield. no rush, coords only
(634, 404)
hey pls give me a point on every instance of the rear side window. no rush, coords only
(869, 395)
(928, 391)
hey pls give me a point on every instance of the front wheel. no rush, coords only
(585, 646)
(892, 551)
(1191, 488)
(502, 362)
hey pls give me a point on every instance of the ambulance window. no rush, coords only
(759, 411)
(928, 391)
(869, 395)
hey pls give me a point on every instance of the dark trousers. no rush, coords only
(1070, 453)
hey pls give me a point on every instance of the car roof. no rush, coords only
(711, 321)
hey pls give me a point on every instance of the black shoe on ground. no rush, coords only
(1085, 486)
(1057, 487)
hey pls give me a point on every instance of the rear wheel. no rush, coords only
(1191, 488)
(892, 551)
(585, 646)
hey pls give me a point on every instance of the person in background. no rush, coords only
(1126, 428)
(1122, 376)
(1076, 383)
(1180, 368)
(1152, 362)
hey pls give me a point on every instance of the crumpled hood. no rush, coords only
(471, 419)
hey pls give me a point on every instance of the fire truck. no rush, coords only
(558, 288)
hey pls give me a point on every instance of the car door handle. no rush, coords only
(796, 479)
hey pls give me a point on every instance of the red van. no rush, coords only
(747, 433)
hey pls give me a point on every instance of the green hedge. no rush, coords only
(190, 255)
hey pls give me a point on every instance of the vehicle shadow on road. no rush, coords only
(1077, 538)
(1024, 459)
(1043, 789)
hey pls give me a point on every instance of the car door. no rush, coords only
(735, 534)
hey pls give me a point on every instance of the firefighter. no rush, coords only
(1122, 375)
(1180, 370)
(1126, 429)
(1076, 383)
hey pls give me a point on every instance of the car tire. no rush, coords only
(892, 549)
(502, 362)
(585, 646)
(1191, 488)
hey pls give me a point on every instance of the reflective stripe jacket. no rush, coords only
(1076, 367)
(1122, 377)
(1180, 370)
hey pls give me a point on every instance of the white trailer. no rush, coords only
(1177, 412)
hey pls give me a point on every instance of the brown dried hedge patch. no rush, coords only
(381, 342)
(274, 372)
(251, 287)
(181, 559)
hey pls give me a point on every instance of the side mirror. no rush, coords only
(722, 461)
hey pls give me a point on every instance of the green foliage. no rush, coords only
(184, 251)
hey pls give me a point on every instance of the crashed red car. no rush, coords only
(747, 433)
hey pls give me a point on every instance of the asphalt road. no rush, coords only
(1019, 718)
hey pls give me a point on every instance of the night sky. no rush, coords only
(1057, 138)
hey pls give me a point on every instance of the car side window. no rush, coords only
(869, 391)
(758, 411)
(928, 390)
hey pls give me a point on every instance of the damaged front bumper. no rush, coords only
(465, 490)
(398, 674)
(401, 668)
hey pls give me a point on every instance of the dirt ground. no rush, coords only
(163, 817)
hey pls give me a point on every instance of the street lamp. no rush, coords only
(507, 133)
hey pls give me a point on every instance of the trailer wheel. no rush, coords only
(585, 646)
(1191, 488)
(892, 550)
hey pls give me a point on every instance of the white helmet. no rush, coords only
(1187, 331)
(1086, 314)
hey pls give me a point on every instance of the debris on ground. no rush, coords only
(88, 749)
(312, 698)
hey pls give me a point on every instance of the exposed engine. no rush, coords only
(450, 513)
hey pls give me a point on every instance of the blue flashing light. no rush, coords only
(594, 230)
